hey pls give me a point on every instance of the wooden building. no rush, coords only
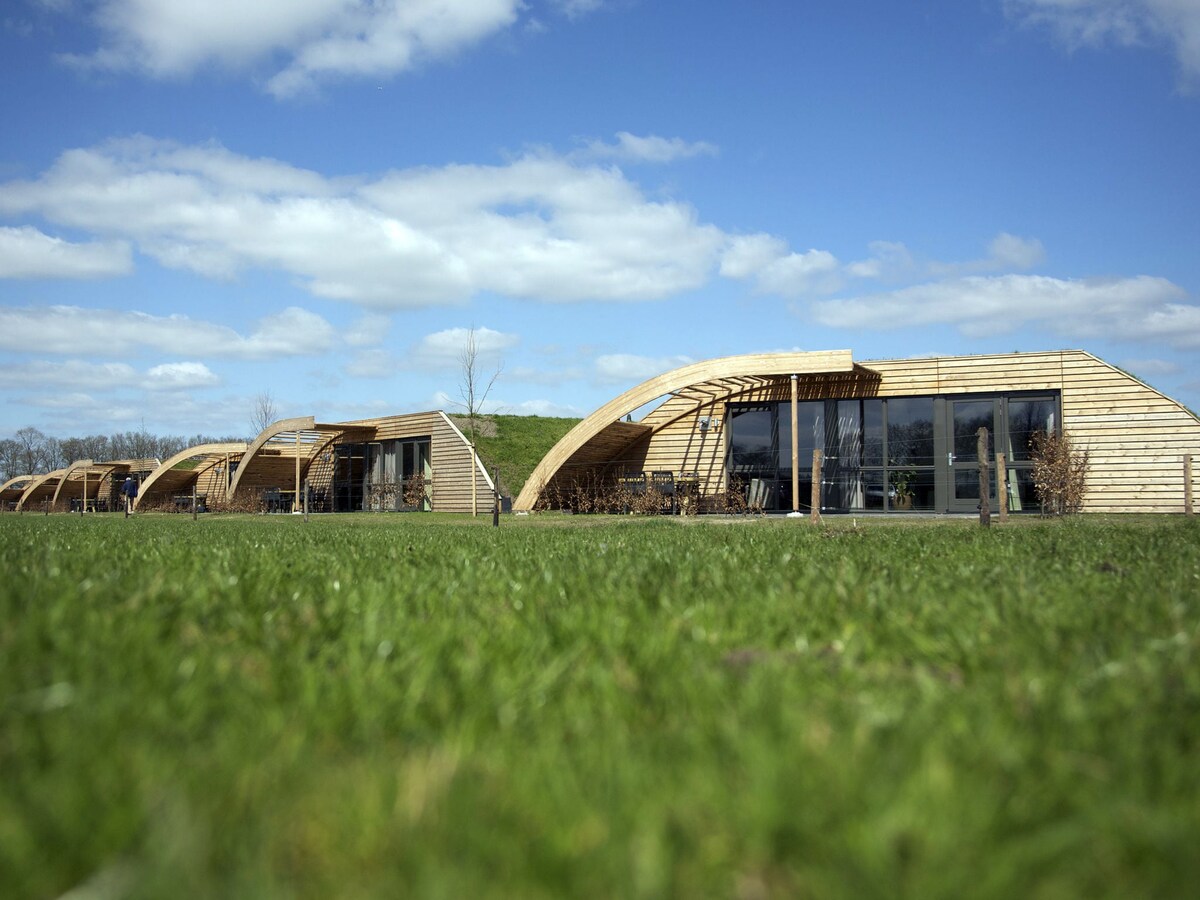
(84, 484)
(894, 435)
(420, 461)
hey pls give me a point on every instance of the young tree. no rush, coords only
(472, 387)
(1059, 472)
(264, 413)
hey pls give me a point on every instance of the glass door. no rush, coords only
(965, 419)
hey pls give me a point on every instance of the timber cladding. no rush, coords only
(1135, 437)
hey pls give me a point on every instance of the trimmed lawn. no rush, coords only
(381, 706)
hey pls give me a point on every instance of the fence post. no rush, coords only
(496, 498)
(1002, 486)
(985, 487)
(816, 486)
(1187, 485)
(474, 481)
(194, 498)
(305, 499)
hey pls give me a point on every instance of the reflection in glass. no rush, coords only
(1025, 419)
(910, 431)
(752, 439)
(872, 432)
(969, 417)
(966, 483)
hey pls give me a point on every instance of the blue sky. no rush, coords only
(207, 199)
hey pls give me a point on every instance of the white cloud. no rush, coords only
(444, 349)
(79, 375)
(315, 39)
(650, 148)
(1094, 23)
(373, 363)
(1148, 368)
(29, 253)
(57, 329)
(888, 261)
(180, 376)
(775, 270)
(1139, 308)
(540, 227)
(1008, 251)
(625, 368)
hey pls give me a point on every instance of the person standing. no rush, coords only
(129, 492)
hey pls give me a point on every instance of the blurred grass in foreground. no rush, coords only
(411, 705)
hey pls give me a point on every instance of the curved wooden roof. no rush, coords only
(39, 482)
(594, 438)
(166, 476)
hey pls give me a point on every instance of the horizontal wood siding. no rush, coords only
(450, 459)
(1135, 437)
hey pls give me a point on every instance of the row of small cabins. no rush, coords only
(891, 435)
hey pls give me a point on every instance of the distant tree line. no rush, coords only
(30, 452)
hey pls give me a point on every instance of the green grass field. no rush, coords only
(588, 707)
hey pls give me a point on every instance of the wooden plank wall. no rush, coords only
(1136, 438)
(449, 459)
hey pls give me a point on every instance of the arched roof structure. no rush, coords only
(602, 434)
(11, 490)
(172, 476)
(42, 487)
(49, 486)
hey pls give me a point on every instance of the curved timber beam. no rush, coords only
(198, 450)
(78, 464)
(15, 482)
(302, 423)
(37, 482)
(676, 380)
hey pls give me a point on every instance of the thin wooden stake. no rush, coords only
(985, 487)
(1187, 485)
(194, 500)
(816, 487)
(1002, 486)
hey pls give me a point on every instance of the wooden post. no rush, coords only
(795, 444)
(1187, 485)
(296, 502)
(985, 487)
(83, 505)
(1002, 486)
(305, 499)
(816, 486)
(496, 498)
(474, 481)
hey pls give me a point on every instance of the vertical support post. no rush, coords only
(816, 486)
(496, 498)
(296, 503)
(194, 498)
(985, 486)
(83, 505)
(795, 444)
(474, 481)
(1187, 485)
(305, 499)
(1002, 486)
(225, 479)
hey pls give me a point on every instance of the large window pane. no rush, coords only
(1026, 418)
(910, 431)
(969, 417)
(872, 432)
(752, 439)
